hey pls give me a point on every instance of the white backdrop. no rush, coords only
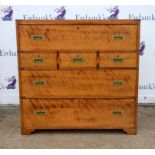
(9, 93)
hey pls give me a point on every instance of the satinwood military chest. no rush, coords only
(78, 74)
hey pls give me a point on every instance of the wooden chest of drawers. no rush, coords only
(78, 74)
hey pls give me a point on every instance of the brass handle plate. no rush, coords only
(78, 59)
(40, 112)
(117, 112)
(38, 37)
(39, 83)
(117, 83)
(118, 37)
(38, 60)
(117, 60)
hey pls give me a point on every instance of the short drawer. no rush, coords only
(118, 60)
(77, 60)
(78, 113)
(38, 60)
(78, 83)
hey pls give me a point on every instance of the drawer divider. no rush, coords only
(97, 60)
(58, 67)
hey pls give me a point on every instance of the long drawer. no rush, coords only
(73, 37)
(78, 83)
(78, 113)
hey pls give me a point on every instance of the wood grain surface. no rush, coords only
(81, 22)
(78, 113)
(122, 60)
(78, 74)
(74, 60)
(79, 83)
(72, 37)
(38, 60)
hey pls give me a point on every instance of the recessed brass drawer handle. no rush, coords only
(38, 60)
(40, 112)
(117, 83)
(78, 59)
(117, 112)
(39, 83)
(38, 37)
(118, 37)
(117, 60)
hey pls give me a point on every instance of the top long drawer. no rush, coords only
(72, 37)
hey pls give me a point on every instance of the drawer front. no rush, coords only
(78, 83)
(118, 60)
(73, 37)
(78, 113)
(38, 60)
(77, 60)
